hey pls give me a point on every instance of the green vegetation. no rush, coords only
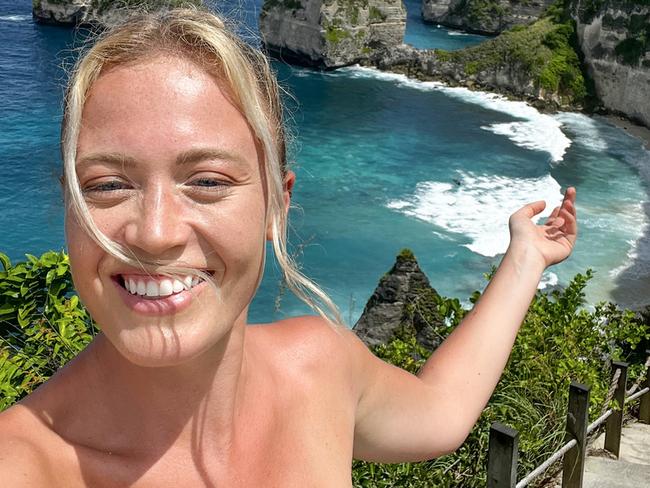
(334, 34)
(637, 43)
(376, 15)
(559, 341)
(543, 52)
(43, 325)
(482, 12)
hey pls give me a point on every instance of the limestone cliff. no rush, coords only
(535, 63)
(483, 16)
(331, 33)
(403, 302)
(99, 12)
(614, 37)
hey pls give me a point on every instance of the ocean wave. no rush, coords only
(585, 130)
(15, 18)
(534, 131)
(548, 279)
(457, 33)
(478, 206)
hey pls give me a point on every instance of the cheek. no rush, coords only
(84, 254)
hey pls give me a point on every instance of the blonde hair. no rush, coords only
(202, 37)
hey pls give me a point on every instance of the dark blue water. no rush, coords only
(382, 163)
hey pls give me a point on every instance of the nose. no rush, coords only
(157, 229)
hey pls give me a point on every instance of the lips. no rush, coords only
(158, 295)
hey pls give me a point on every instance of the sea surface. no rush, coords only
(382, 163)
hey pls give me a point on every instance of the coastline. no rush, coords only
(641, 132)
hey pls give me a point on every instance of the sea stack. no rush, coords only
(96, 12)
(488, 17)
(331, 33)
(403, 302)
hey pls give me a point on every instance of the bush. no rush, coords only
(42, 323)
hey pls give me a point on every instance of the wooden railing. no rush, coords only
(503, 450)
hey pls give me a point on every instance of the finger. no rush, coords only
(569, 196)
(553, 215)
(570, 227)
(531, 209)
(557, 223)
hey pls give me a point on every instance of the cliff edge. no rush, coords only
(331, 33)
(97, 12)
(488, 17)
(614, 37)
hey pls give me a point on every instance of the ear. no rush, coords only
(289, 180)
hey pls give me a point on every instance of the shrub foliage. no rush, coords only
(42, 323)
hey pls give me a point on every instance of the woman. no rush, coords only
(175, 178)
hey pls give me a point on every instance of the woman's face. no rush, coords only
(171, 170)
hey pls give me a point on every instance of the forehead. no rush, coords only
(161, 101)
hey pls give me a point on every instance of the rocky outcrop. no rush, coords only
(614, 36)
(483, 16)
(97, 12)
(500, 65)
(331, 33)
(403, 303)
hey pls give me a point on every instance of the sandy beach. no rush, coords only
(639, 131)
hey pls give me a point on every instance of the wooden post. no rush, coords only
(644, 406)
(503, 454)
(573, 465)
(614, 423)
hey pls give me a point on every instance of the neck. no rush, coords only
(144, 411)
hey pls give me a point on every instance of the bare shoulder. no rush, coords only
(23, 452)
(310, 342)
(309, 337)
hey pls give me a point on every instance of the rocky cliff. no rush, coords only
(98, 12)
(403, 303)
(536, 64)
(331, 33)
(614, 37)
(483, 16)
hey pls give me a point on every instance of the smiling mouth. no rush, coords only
(158, 287)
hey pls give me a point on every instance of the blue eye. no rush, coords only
(107, 186)
(210, 183)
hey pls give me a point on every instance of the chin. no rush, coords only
(164, 347)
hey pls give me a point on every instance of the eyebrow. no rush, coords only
(191, 156)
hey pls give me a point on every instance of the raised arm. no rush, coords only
(404, 418)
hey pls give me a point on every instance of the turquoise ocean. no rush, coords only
(382, 163)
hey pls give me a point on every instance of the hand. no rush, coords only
(554, 240)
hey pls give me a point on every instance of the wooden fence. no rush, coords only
(503, 450)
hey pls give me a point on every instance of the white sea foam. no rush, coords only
(457, 33)
(632, 255)
(534, 130)
(479, 207)
(548, 279)
(585, 130)
(15, 18)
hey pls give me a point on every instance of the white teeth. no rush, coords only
(188, 282)
(152, 289)
(162, 288)
(166, 288)
(178, 286)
